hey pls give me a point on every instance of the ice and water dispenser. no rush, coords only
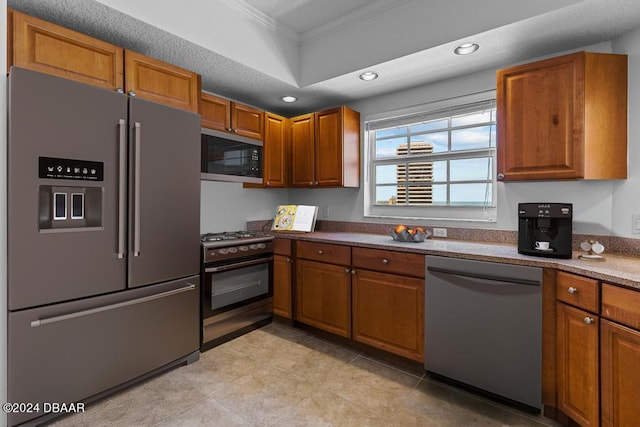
(77, 205)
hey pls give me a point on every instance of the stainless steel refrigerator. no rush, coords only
(103, 239)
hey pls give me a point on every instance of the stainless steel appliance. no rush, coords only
(483, 327)
(236, 284)
(229, 157)
(545, 229)
(103, 228)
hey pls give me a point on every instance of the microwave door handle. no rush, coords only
(122, 189)
(136, 190)
(237, 265)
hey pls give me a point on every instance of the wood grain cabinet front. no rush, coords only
(41, 46)
(282, 278)
(228, 116)
(620, 356)
(563, 118)
(157, 81)
(48, 48)
(325, 149)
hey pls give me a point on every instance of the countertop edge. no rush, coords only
(616, 269)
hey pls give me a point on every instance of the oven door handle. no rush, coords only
(238, 265)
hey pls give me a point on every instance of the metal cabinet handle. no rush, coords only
(83, 313)
(572, 290)
(385, 261)
(500, 176)
(122, 187)
(353, 272)
(287, 259)
(120, 90)
(132, 93)
(136, 191)
(320, 251)
(588, 320)
(346, 270)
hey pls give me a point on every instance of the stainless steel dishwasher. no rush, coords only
(483, 327)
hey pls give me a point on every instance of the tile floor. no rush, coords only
(282, 376)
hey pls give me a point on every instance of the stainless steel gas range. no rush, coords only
(236, 272)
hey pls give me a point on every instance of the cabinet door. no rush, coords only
(247, 121)
(577, 364)
(282, 266)
(620, 358)
(48, 48)
(275, 151)
(388, 313)
(323, 296)
(328, 157)
(302, 151)
(215, 112)
(541, 120)
(158, 81)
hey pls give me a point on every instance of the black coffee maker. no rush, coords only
(545, 229)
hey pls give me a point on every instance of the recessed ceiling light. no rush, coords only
(369, 75)
(466, 48)
(289, 98)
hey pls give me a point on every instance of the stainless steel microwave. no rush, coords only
(229, 157)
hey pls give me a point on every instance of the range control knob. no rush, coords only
(253, 247)
(243, 248)
(233, 250)
(261, 246)
(223, 251)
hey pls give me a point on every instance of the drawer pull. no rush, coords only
(572, 290)
(346, 270)
(588, 320)
(385, 261)
(320, 251)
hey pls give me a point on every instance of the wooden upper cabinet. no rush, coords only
(326, 149)
(215, 112)
(303, 151)
(227, 116)
(275, 165)
(164, 83)
(563, 118)
(48, 48)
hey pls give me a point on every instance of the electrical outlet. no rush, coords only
(635, 227)
(439, 232)
(324, 212)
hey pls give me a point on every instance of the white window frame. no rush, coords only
(414, 114)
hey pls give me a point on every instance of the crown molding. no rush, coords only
(264, 20)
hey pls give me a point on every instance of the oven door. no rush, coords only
(228, 286)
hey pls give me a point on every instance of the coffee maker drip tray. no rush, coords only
(545, 229)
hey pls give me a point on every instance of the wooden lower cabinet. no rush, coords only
(282, 278)
(620, 359)
(577, 364)
(323, 296)
(388, 312)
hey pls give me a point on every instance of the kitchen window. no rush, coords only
(436, 161)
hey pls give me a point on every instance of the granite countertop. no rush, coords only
(617, 269)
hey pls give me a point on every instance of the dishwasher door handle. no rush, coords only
(485, 277)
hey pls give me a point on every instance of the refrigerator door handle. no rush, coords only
(136, 191)
(122, 189)
(83, 313)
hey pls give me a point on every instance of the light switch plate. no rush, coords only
(439, 232)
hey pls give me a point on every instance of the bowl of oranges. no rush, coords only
(402, 233)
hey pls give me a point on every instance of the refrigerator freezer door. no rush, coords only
(63, 224)
(71, 351)
(164, 193)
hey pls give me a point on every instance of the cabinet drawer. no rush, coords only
(578, 291)
(324, 252)
(402, 263)
(621, 305)
(282, 247)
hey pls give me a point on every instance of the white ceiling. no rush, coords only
(255, 51)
